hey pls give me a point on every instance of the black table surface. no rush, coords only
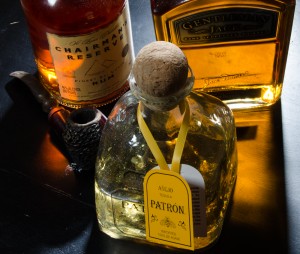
(46, 209)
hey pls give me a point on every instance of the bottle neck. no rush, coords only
(177, 138)
(162, 104)
(163, 124)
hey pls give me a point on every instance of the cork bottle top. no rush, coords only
(160, 69)
(161, 77)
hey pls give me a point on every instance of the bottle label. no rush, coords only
(94, 65)
(197, 186)
(174, 207)
(225, 25)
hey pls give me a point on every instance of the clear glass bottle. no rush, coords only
(237, 49)
(124, 157)
(83, 49)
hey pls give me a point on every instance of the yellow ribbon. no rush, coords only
(160, 159)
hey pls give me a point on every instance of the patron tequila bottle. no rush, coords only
(125, 156)
(83, 49)
(237, 49)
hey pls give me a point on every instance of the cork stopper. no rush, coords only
(160, 69)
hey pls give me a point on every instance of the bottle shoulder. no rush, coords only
(200, 101)
(67, 15)
(162, 8)
(208, 114)
(211, 117)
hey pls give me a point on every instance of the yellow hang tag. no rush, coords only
(168, 209)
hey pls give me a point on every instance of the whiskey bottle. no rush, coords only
(125, 155)
(83, 49)
(236, 49)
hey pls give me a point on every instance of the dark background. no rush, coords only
(44, 209)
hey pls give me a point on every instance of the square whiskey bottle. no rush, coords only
(236, 49)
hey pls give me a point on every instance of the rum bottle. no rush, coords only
(83, 49)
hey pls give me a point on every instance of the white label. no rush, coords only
(92, 66)
(197, 186)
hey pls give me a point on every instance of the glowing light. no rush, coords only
(268, 95)
(52, 2)
(133, 141)
(51, 77)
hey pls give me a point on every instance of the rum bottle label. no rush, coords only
(94, 65)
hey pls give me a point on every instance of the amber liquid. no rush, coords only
(245, 72)
(68, 18)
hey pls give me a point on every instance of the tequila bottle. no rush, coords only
(125, 157)
(237, 49)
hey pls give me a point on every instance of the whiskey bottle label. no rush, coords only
(225, 25)
(174, 207)
(94, 65)
(229, 65)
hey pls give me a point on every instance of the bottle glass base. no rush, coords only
(48, 80)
